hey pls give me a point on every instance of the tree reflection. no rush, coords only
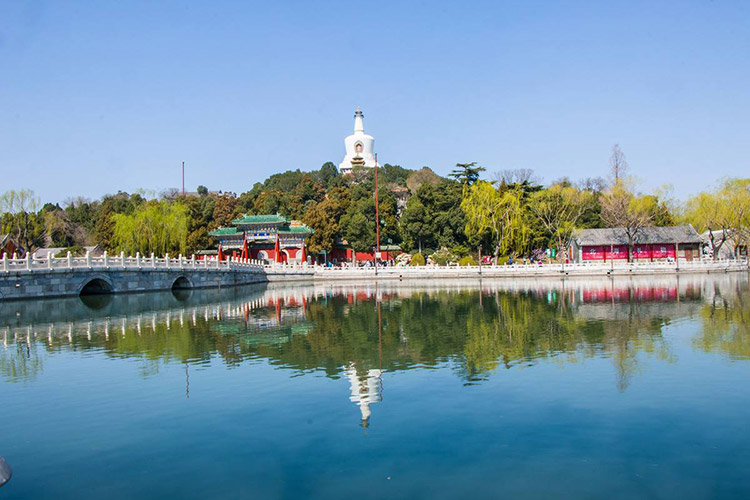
(477, 331)
(726, 324)
(20, 360)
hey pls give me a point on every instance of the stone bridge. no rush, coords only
(56, 277)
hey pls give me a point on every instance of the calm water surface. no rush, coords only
(632, 388)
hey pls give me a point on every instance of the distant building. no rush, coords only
(731, 248)
(8, 246)
(360, 147)
(271, 238)
(651, 244)
(342, 252)
(44, 253)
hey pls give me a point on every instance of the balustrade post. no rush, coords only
(153, 260)
(88, 259)
(49, 260)
(122, 259)
(166, 259)
(28, 261)
(5, 262)
(106, 260)
(192, 261)
(70, 260)
(138, 260)
(179, 260)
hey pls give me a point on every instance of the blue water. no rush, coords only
(532, 389)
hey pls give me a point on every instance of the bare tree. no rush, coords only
(617, 163)
(592, 184)
(76, 201)
(622, 209)
(516, 176)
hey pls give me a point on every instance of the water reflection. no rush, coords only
(360, 333)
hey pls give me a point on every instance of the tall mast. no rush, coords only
(377, 209)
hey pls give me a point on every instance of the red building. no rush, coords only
(342, 252)
(650, 244)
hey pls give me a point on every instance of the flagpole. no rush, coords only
(377, 209)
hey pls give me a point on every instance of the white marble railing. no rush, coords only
(115, 262)
(584, 267)
(139, 262)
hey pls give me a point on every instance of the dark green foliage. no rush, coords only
(433, 217)
(467, 173)
(394, 174)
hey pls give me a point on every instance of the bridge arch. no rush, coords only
(96, 285)
(182, 283)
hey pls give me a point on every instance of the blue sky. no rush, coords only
(101, 96)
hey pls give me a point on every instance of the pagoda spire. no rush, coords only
(359, 125)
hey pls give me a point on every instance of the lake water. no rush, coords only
(624, 388)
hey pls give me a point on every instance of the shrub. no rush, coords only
(460, 251)
(467, 261)
(442, 257)
(417, 260)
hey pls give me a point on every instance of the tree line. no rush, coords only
(512, 213)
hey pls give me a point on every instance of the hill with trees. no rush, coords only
(513, 214)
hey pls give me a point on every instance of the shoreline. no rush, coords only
(280, 274)
(37, 282)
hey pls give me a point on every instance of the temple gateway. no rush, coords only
(271, 238)
(360, 147)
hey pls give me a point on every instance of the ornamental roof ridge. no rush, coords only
(223, 231)
(260, 219)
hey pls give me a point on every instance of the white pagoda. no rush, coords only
(360, 147)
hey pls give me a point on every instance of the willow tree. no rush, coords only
(18, 217)
(707, 211)
(737, 192)
(558, 209)
(157, 227)
(723, 212)
(498, 213)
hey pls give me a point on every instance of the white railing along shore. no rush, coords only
(546, 268)
(139, 262)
